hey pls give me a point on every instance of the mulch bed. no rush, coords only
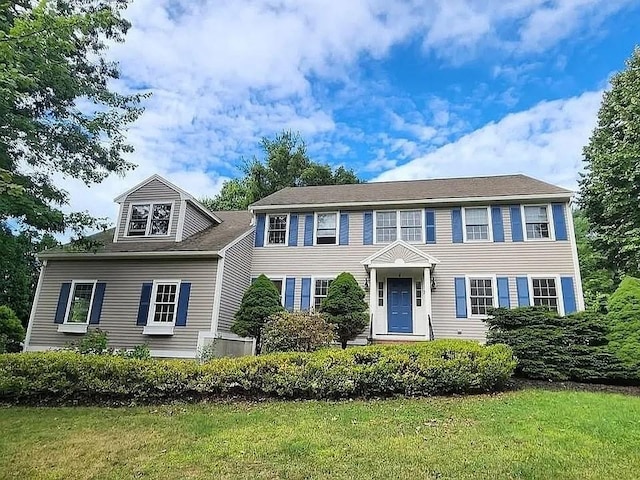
(521, 383)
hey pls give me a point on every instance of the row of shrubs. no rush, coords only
(435, 368)
(591, 346)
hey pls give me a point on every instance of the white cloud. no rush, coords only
(545, 141)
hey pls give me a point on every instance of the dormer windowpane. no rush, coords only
(149, 219)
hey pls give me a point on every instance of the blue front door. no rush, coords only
(399, 317)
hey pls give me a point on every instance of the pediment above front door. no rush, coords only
(399, 254)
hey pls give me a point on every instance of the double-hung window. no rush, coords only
(277, 229)
(403, 224)
(326, 229)
(149, 219)
(480, 295)
(536, 219)
(164, 302)
(320, 291)
(545, 293)
(277, 282)
(476, 223)
(80, 301)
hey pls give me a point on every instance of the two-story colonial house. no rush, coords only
(432, 256)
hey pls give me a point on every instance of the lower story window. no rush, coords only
(380, 294)
(81, 296)
(165, 301)
(480, 295)
(418, 294)
(321, 289)
(545, 293)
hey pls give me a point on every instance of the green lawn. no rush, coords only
(526, 434)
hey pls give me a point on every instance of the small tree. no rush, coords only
(260, 301)
(297, 332)
(345, 307)
(624, 321)
(11, 331)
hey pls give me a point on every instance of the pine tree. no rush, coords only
(345, 307)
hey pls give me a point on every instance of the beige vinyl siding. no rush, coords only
(456, 260)
(154, 191)
(194, 221)
(236, 277)
(124, 279)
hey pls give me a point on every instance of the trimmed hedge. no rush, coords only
(434, 368)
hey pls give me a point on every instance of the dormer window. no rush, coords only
(149, 220)
(277, 230)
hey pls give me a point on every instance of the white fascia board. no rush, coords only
(89, 256)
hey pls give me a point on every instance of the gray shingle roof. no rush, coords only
(214, 238)
(433, 189)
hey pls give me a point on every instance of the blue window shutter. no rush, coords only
(183, 304)
(293, 230)
(289, 292)
(498, 227)
(145, 301)
(63, 299)
(461, 297)
(559, 221)
(516, 224)
(522, 284)
(96, 307)
(430, 225)
(503, 292)
(260, 220)
(568, 295)
(367, 228)
(308, 229)
(344, 229)
(305, 299)
(456, 225)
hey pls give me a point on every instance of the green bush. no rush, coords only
(11, 331)
(94, 342)
(624, 319)
(551, 347)
(344, 306)
(297, 332)
(434, 368)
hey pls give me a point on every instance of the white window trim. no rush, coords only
(275, 277)
(161, 328)
(69, 300)
(149, 220)
(494, 291)
(489, 226)
(558, 289)
(552, 231)
(315, 229)
(423, 226)
(286, 234)
(312, 296)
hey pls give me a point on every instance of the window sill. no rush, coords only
(78, 328)
(158, 330)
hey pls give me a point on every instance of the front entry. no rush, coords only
(399, 311)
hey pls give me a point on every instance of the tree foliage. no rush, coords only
(286, 163)
(11, 331)
(345, 307)
(610, 187)
(297, 332)
(58, 114)
(260, 301)
(624, 319)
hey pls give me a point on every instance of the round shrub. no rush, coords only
(297, 332)
(11, 331)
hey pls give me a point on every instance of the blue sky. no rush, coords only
(393, 89)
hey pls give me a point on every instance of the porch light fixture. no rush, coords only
(366, 283)
(433, 284)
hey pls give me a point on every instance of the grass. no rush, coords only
(526, 434)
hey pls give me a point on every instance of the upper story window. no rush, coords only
(536, 219)
(545, 293)
(80, 302)
(149, 219)
(403, 224)
(326, 228)
(277, 229)
(476, 223)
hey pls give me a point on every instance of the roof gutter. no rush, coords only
(101, 255)
(426, 201)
